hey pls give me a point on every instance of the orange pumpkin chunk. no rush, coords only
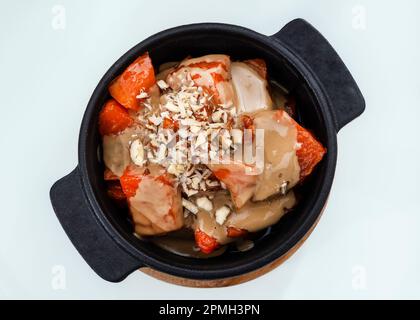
(206, 243)
(138, 77)
(130, 181)
(233, 232)
(113, 118)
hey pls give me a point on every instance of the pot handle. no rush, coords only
(95, 245)
(344, 96)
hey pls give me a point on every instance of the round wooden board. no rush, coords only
(215, 283)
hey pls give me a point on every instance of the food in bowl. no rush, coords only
(204, 152)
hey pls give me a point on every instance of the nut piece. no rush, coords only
(142, 95)
(283, 187)
(204, 203)
(217, 115)
(137, 152)
(162, 84)
(155, 120)
(221, 214)
(189, 206)
(176, 169)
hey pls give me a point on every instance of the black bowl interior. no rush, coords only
(239, 46)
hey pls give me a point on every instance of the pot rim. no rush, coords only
(330, 160)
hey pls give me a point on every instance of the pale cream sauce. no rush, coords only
(280, 161)
(156, 207)
(250, 89)
(241, 180)
(116, 153)
(254, 216)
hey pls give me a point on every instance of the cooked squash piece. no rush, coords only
(281, 165)
(155, 203)
(256, 216)
(251, 89)
(259, 66)
(211, 72)
(252, 217)
(116, 152)
(113, 118)
(138, 77)
(290, 154)
(310, 151)
(233, 232)
(130, 180)
(239, 178)
(206, 243)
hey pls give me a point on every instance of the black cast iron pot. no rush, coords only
(298, 57)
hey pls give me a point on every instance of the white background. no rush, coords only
(367, 244)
